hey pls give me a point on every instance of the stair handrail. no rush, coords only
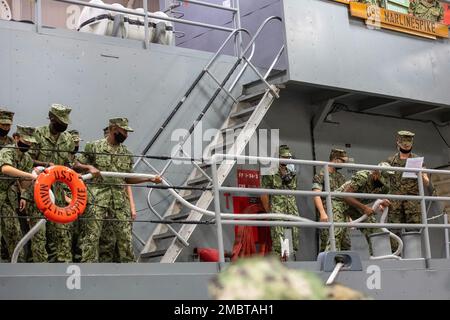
(195, 83)
(250, 45)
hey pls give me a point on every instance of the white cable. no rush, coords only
(335, 272)
(396, 254)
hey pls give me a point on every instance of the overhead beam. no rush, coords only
(334, 96)
(320, 116)
(325, 108)
(423, 112)
(380, 106)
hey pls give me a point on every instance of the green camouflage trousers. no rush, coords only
(52, 243)
(91, 231)
(340, 213)
(76, 254)
(278, 232)
(59, 235)
(10, 230)
(59, 242)
(39, 240)
(108, 251)
(324, 234)
(403, 212)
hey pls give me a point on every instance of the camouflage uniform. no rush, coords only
(6, 117)
(9, 190)
(76, 254)
(337, 179)
(4, 141)
(403, 211)
(427, 10)
(108, 251)
(282, 203)
(57, 150)
(107, 201)
(360, 182)
(268, 279)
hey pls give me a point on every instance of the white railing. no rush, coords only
(239, 219)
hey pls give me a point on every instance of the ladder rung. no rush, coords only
(235, 127)
(222, 146)
(252, 96)
(153, 254)
(179, 216)
(192, 197)
(197, 181)
(243, 113)
(205, 166)
(162, 236)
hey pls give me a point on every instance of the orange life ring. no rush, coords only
(42, 194)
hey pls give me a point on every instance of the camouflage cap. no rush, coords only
(265, 278)
(405, 138)
(61, 112)
(6, 117)
(385, 176)
(75, 135)
(338, 154)
(121, 123)
(26, 133)
(284, 151)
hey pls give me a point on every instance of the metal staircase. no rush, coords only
(167, 240)
(243, 120)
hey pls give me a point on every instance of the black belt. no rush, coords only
(125, 19)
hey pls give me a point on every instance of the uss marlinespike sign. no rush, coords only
(392, 20)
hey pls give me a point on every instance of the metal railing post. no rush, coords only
(217, 208)
(332, 238)
(38, 15)
(146, 40)
(446, 237)
(237, 25)
(423, 210)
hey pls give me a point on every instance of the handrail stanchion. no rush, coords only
(423, 210)
(38, 15)
(446, 237)
(217, 208)
(237, 22)
(146, 40)
(326, 176)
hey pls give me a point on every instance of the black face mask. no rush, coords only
(58, 127)
(119, 137)
(404, 151)
(377, 183)
(75, 150)
(3, 132)
(23, 147)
